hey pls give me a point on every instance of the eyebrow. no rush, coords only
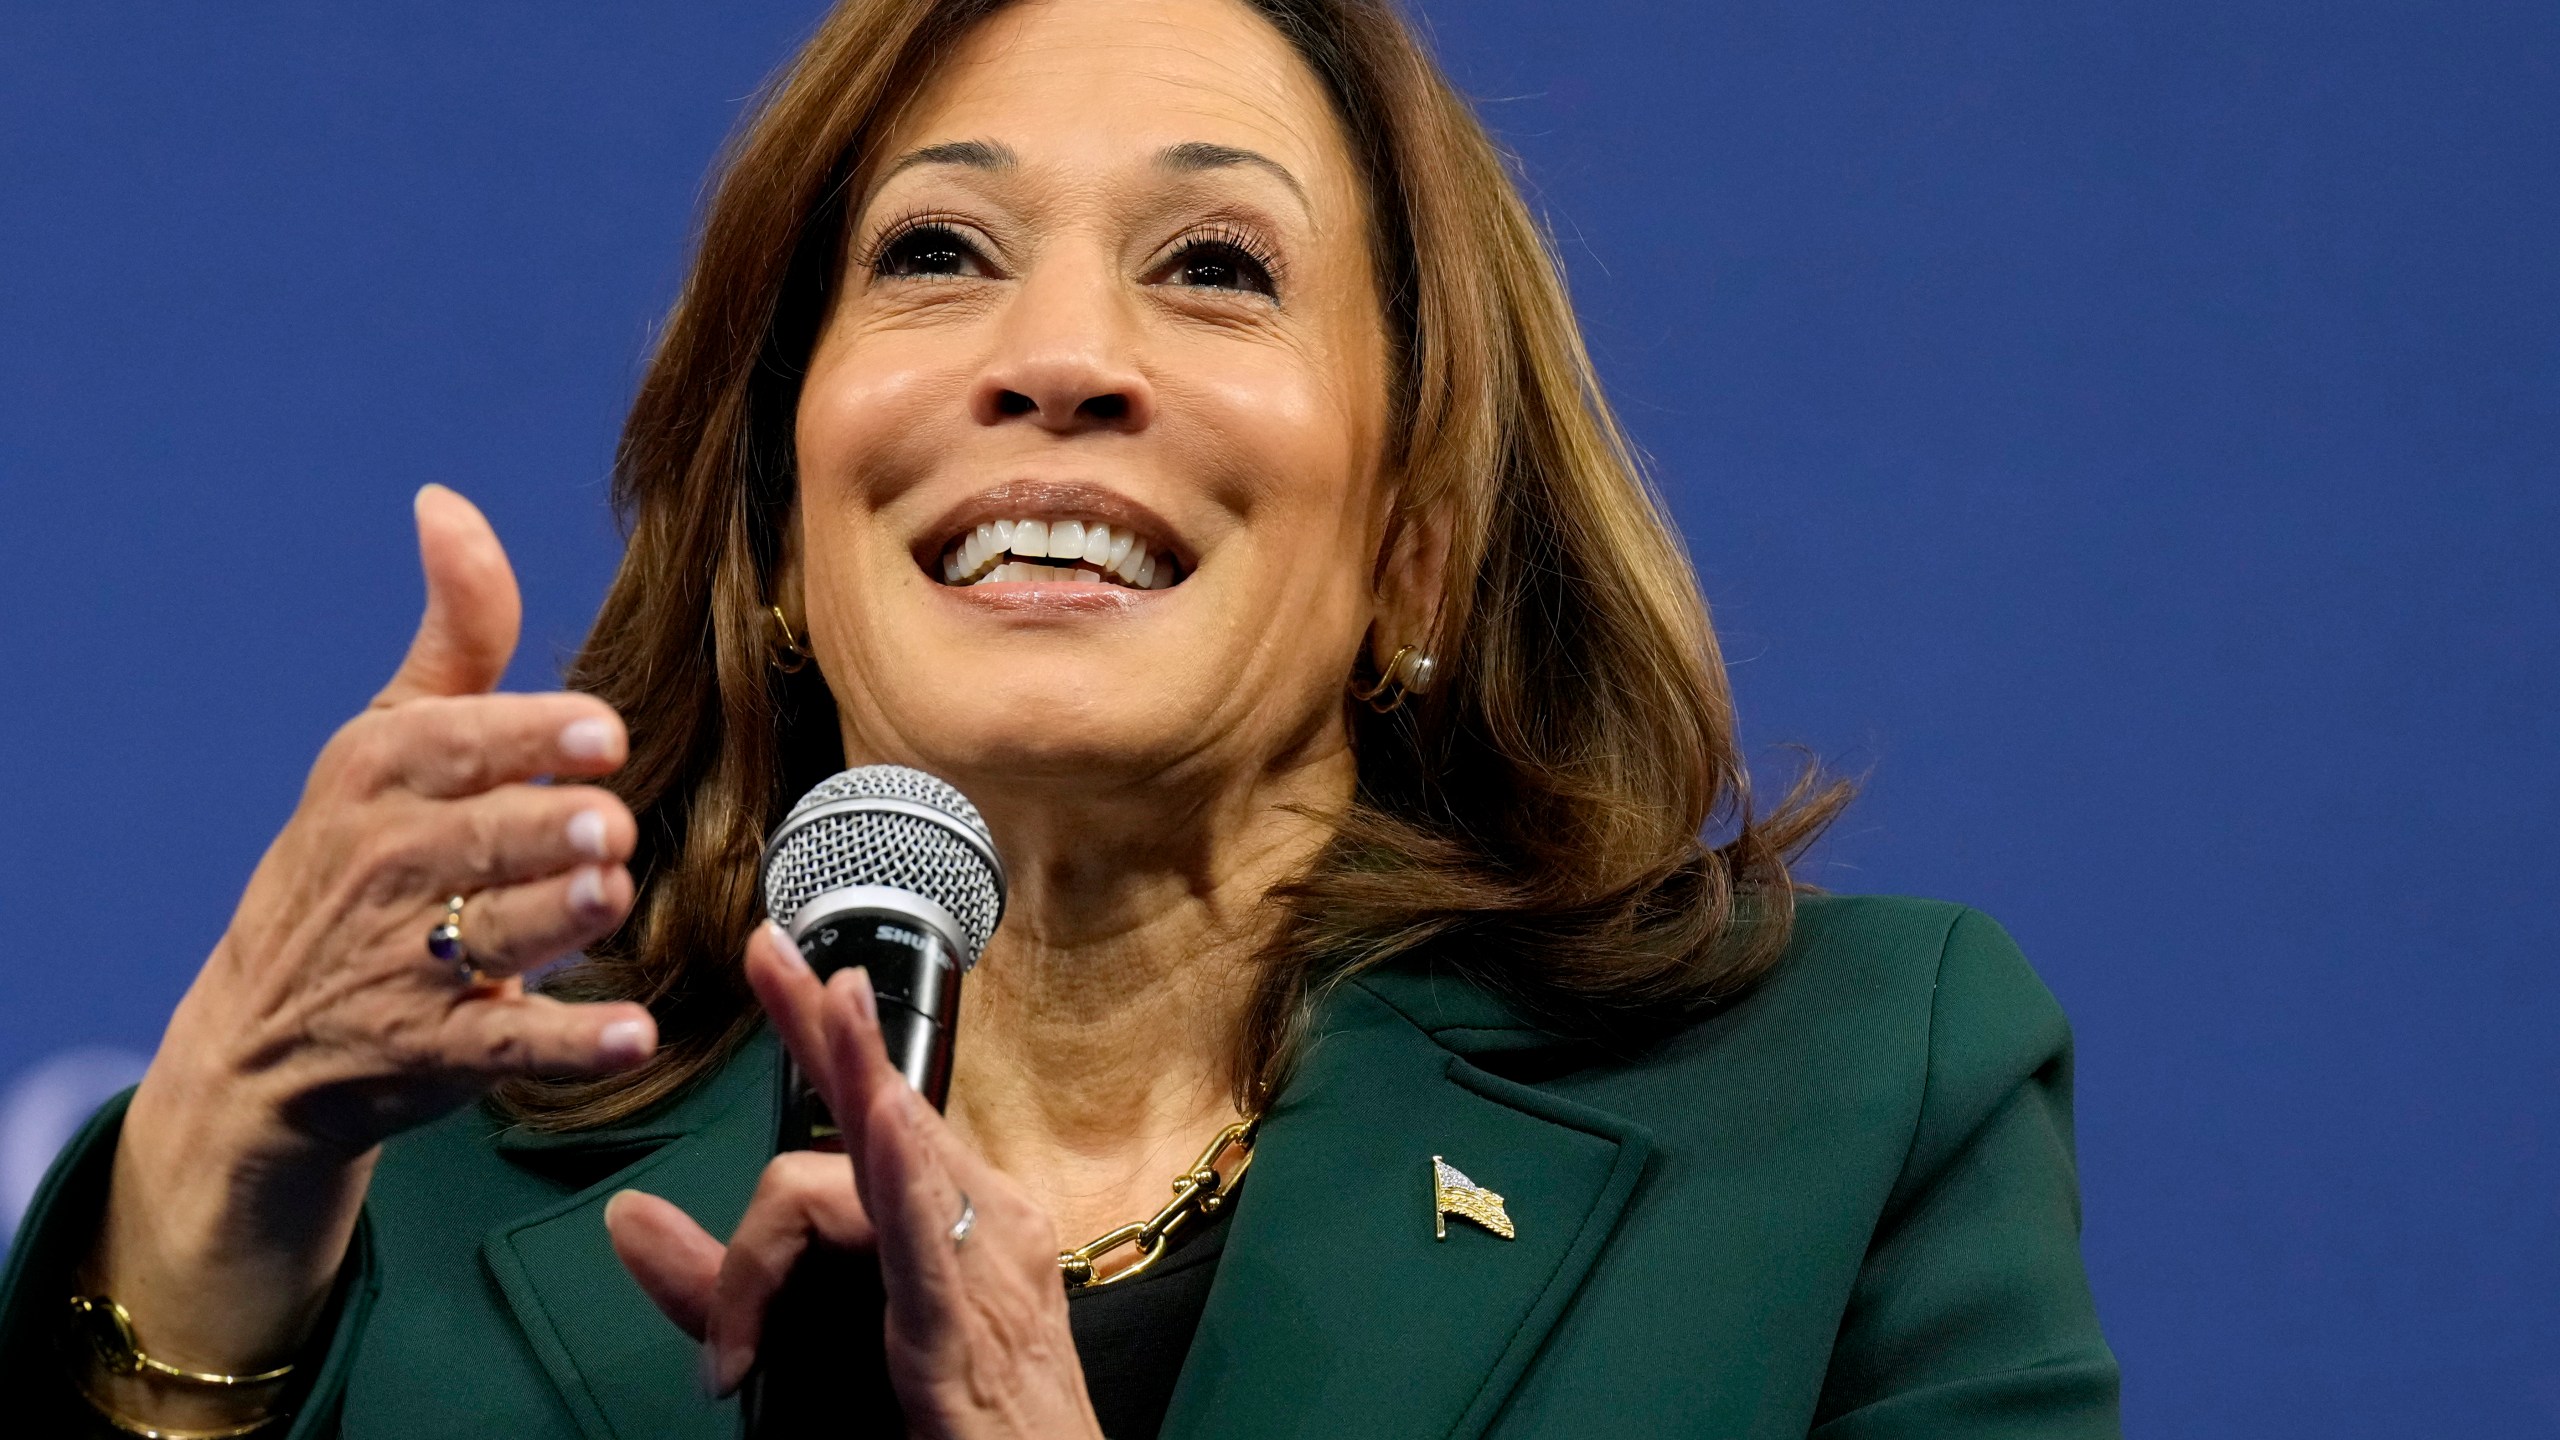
(1191, 156)
(976, 154)
(1198, 155)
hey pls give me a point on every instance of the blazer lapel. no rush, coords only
(624, 1371)
(1335, 1308)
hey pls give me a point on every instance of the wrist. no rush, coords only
(217, 1176)
(217, 1135)
(223, 1234)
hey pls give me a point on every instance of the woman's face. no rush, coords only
(1089, 449)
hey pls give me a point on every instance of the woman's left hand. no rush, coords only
(978, 1344)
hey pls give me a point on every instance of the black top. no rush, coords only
(821, 1367)
(1134, 1336)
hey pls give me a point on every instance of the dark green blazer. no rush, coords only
(1844, 1206)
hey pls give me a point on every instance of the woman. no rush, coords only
(1161, 419)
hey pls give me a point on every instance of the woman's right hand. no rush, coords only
(321, 1025)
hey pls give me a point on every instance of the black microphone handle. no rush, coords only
(823, 1367)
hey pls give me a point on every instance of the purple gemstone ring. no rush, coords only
(445, 942)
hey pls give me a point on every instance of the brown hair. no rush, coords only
(1541, 819)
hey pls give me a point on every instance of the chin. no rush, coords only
(1012, 735)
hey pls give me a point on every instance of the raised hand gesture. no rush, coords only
(323, 1022)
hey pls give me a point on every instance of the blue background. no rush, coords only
(2126, 429)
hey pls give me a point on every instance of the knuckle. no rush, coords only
(1037, 1228)
(389, 866)
(482, 843)
(499, 935)
(808, 1190)
(358, 754)
(803, 1176)
(445, 759)
(505, 1048)
(1035, 1231)
(747, 1271)
(433, 772)
(781, 1179)
(410, 1048)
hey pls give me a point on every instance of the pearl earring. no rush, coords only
(1407, 673)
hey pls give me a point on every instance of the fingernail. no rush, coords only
(865, 996)
(780, 942)
(625, 1041)
(722, 1369)
(710, 1371)
(586, 890)
(588, 739)
(587, 833)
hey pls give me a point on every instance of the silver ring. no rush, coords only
(445, 942)
(967, 1222)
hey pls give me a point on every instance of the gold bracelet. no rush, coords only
(110, 1334)
(127, 1425)
(108, 1330)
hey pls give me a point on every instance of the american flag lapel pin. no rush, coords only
(1452, 1193)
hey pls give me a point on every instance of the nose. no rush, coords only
(1066, 357)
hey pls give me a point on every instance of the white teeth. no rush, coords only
(1012, 552)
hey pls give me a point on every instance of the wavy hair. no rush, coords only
(1566, 816)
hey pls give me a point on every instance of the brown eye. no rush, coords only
(927, 250)
(1220, 265)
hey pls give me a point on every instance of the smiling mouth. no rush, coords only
(1058, 552)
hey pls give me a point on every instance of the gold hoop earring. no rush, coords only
(1407, 673)
(799, 657)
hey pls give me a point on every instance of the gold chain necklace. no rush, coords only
(1201, 1190)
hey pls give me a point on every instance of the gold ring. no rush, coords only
(445, 942)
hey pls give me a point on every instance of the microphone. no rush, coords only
(893, 870)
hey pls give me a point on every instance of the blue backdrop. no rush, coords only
(2127, 428)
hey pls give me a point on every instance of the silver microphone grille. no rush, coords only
(891, 826)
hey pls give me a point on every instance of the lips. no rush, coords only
(1058, 550)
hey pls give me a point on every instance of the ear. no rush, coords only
(787, 587)
(1412, 578)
